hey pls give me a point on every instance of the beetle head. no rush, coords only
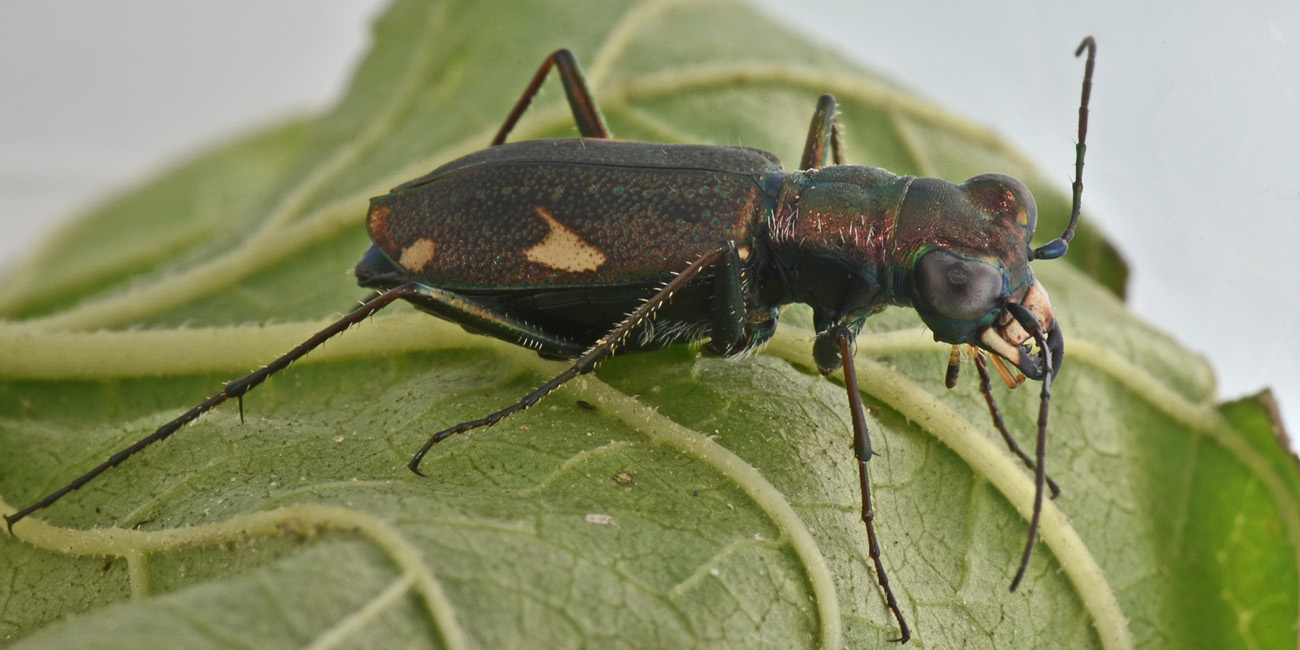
(972, 261)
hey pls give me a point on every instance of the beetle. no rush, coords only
(587, 247)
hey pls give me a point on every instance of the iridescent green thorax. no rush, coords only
(832, 233)
(850, 239)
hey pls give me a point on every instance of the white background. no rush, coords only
(1193, 164)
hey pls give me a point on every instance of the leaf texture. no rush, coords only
(704, 502)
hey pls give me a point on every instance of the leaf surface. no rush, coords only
(704, 502)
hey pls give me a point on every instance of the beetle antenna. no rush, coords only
(1057, 247)
(1031, 324)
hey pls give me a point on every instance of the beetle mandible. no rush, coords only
(513, 241)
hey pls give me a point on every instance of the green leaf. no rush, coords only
(703, 503)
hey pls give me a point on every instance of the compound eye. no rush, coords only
(960, 288)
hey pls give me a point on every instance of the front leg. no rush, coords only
(841, 339)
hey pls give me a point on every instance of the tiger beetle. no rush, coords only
(587, 247)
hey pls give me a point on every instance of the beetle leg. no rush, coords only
(235, 389)
(986, 389)
(844, 337)
(823, 135)
(479, 318)
(728, 333)
(591, 124)
(603, 349)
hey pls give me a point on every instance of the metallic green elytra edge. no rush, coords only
(584, 248)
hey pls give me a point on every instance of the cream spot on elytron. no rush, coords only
(563, 249)
(415, 256)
